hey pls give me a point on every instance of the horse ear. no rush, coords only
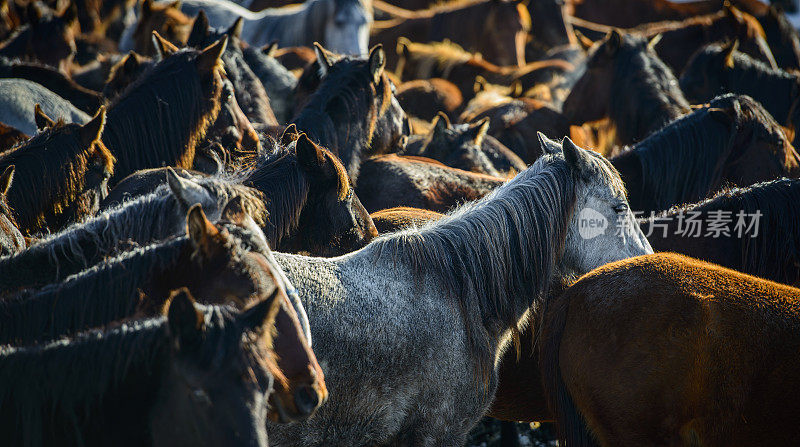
(722, 116)
(261, 314)
(515, 90)
(176, 4)
(478, 131)
(583, 41)
(236, 29)
(323, 58)
(163, 47)
(91, 131)
(651, 45)
(5, 179)
(199, 30)
(402, 47)
(312, 159)
(480, 84)
(131, 62)
(440, 124)
(42, 120)
(613, 42)
(547, 145)
(729, 50)
(234, 211)
(200, 231)
(289, 135)
(377, 62)
(270, 49)
(574, 155)
(209, 58)
(186, 191)
(185, 321)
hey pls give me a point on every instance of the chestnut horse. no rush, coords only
(668, 350)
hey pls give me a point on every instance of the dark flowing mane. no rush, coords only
(346, 92)
(87, 374)
(496, 255)
(107, 292)
(160, 117)
(774, 252)
(50, 168)
(148, 218)
(682, 161)
(640, 76)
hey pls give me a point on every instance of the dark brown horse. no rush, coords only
(424, 98)
(733, 141)
(668, 350)
(312, 206)
(753, 230)
(391, 180)
(161, 117)
(495, 28)
(353, 112)
(10, 137)
(465, 146)
(717, 69)
(626, 63)
(48, 38)
(201, 375)
(61, 173)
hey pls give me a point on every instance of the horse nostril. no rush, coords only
(306, 400)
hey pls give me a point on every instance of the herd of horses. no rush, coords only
(360, 223)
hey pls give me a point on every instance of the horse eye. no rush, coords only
(620, 208)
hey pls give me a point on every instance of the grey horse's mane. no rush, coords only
(495, 256)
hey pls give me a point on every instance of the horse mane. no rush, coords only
(57, 177)
(642, 75)
(495, 255)
(682, 161)
(144, 219)
(774, 252)
(162, 115)
(439, 58)
(133, 354)
(94, 297)
(345, 92)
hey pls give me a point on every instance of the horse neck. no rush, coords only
(116, 381)
(81, 246)
(95, 297)
(287, 190)
(777, 91)
(337, 132)
(650, 102)
(496, 256)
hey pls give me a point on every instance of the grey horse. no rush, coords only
(409, 329)
(18, 98)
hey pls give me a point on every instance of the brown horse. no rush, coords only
(423, 98)
(732, 141)
(667, 350)
(10, 136)
(164, 18)
(391, 180)
(465, 146)
(495, 28)
(61, 173)
(161, 117)
(48, 38)
(627, 13)
(401, 217)
(626, 63)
